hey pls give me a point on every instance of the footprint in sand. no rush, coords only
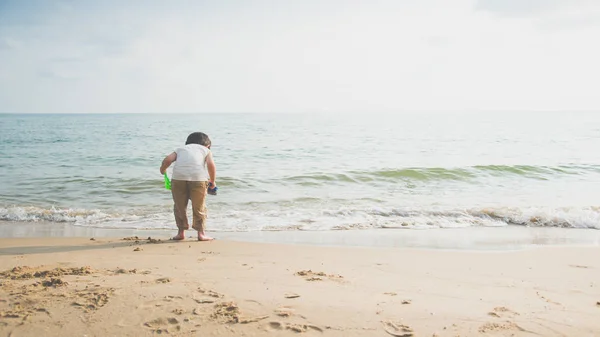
(284, 312)
(501, 312)
(163, 280)
(178, 311)
(28, 289)
(204, 301)
(226, 312)
(310, 275)
(170, 298)
(298, 328)
(229, 312)
(210, 293)
(397, 329)
(497, 327)
(92, 300)
(161, 321)
(157, 325)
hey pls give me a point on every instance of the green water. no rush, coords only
(308, 172)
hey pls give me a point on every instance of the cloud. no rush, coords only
(297, 56)
(437, 41)
(52, 75)
(562, 13)
(572, 22)
(8, 44)
(520, 8)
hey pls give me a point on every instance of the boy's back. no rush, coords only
(191, 163)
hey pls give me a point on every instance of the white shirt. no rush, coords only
(190, 164)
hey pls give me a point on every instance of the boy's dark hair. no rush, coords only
(198, 138)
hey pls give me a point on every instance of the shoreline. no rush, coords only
(469, 238)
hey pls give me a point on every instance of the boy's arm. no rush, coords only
(212, 169)
(167, 162)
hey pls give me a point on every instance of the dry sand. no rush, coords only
(117, 287)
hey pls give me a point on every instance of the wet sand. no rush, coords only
(138, 287)
(470, 238)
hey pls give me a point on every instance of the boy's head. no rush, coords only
(198, 138)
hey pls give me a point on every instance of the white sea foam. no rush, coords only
(342, 218)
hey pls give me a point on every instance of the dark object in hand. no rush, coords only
(212, 190)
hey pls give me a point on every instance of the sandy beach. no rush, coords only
(140, 287)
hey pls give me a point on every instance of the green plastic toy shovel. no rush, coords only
(167, 182)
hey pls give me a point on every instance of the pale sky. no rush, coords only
(389, 56)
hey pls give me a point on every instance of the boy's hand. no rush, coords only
(212, 188)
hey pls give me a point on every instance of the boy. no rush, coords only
(194, 171)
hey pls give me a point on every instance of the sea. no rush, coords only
(308, 172)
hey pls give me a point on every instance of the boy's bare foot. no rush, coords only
(204, 237)
(180, 236)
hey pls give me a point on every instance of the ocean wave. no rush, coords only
(121, 187)
(29, 214)
(304, 217)
(121, 184)
(439, 173)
